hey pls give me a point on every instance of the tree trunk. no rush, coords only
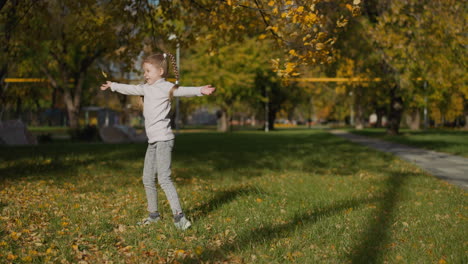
(466, 115)
(271, 118)
(73, 117)
(413, 119)
(18, 108)
(125, 119)
(466, 121)
(253, 121)
(380, 114)
(396, 111)
(359, 117)
(223, 120)
(73, 102)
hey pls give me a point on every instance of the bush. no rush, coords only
(44, 138)
(87, 133)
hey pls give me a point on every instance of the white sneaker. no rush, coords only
(183, 223)
(149, 220)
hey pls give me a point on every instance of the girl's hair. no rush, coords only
(160, 60)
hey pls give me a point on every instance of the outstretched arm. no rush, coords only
(194, 91)
(127, 89)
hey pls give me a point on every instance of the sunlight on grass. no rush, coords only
(289, 196)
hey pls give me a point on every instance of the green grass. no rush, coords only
(445, 140)
(290, 196)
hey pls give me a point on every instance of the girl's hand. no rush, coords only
(207, 89)
(106, 85)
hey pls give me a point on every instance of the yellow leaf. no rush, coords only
(15, 235)
(198, 250)
(104, 74)
(290, 66)
(292, 52)
(356, 2)
(259, 200)
(271, 3)
(442, 261)
(349, 7)
(262, 36)
(289, 2)
(300, 9)
(319, 46)
(26, 259)
(11, 257)
(229, 2)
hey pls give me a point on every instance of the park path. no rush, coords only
(451, 168)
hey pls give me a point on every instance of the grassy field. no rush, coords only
(445, 140)
(290, 196)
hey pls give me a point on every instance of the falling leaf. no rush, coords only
(104, 74)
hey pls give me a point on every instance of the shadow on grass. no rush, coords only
(371, 246)
(373, 241)
(262, 235)
(221, 198)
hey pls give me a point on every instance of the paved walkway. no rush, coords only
(451, 168)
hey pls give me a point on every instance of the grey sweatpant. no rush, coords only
(158, 161)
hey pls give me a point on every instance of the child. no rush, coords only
(157, 94)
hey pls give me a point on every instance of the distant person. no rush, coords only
(157, 93)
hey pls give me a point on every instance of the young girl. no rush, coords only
(157, 94)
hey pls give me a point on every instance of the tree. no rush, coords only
(231, 69)
(75, 36)
(306, 32)
(418, 39)
(13, 15)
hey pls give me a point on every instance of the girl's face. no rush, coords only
(152, 73)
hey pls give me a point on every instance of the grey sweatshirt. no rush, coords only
(156, 105)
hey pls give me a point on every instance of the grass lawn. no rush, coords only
(289, 196)
(449, 141)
